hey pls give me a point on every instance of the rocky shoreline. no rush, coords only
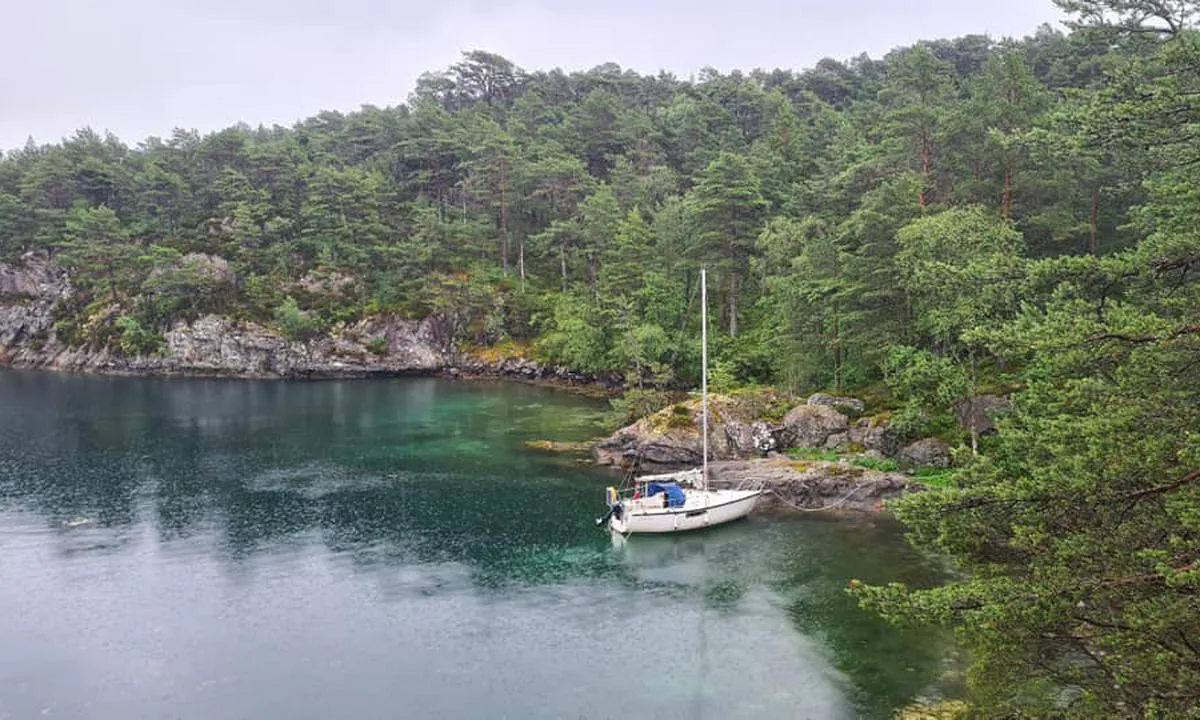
(217, 347)
(824, 453)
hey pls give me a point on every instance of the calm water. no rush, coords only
(381, 549)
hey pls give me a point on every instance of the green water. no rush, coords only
(382, 549)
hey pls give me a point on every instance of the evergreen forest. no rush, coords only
(958, 217)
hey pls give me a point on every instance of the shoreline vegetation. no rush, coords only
(988, 246)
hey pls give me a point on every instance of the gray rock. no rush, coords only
(852, 404)
(810, 426)
(873, 434)
(838, 441)
(980, 411)
(35, 278)
(930, 452)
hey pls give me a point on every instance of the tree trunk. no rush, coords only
(733, 303)
(504, 219)
(926, 166)
(562, 256)
(1094, 223)
(1006, 199)
(521, 261)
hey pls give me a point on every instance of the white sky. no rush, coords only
(142, 67)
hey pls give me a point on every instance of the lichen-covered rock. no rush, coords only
(929, 452)
(810, 426)
(670, 438)
(847, 403)
(874, 434)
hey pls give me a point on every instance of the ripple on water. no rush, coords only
(221, 549)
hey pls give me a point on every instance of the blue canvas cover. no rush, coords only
(675, 496)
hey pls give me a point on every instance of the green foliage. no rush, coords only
(1076, 529)
(377, 346)
(871, 463)
(935, 478)
(294, 323)
(135, 340)
(680, 416)
(573, 335)
(928, 384)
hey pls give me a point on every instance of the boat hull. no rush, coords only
(703, 509)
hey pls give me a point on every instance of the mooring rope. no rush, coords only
(831, 506)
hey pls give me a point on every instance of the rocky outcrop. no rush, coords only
(873, 436)
(929, 452)
(670, 439)
(813, 485)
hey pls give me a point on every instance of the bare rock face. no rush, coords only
(35, 278)
(813, 485)
(811, 426)
(929, 452)
(219, 346)
(28, 292)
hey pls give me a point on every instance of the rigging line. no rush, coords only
(794, 506)
(683, 319)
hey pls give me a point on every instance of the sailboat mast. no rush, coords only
(704, 373)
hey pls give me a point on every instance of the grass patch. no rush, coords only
(935, 478)
(813, 455)
(680, 417)
(871, 463)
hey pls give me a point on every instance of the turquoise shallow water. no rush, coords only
(389, 548)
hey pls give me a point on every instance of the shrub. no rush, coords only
(294, 323)
(133, 339)
(636, 404)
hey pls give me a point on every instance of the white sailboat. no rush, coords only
(680, 501)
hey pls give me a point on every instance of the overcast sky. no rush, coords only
(143, 67)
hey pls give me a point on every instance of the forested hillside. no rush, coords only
(572, 210)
